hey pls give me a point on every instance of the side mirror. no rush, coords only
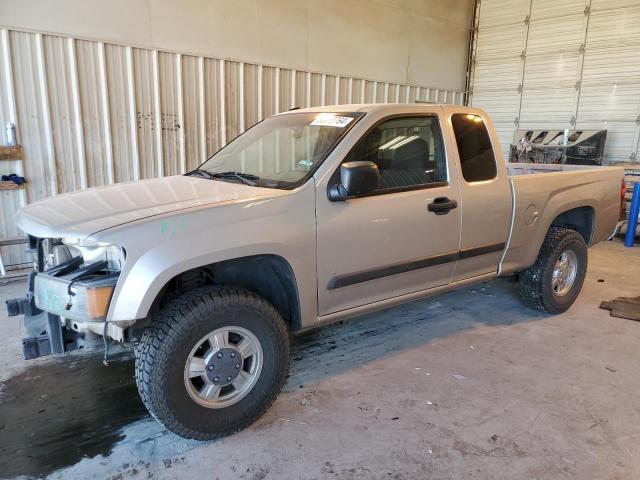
(356, 179)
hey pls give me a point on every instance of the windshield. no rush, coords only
(282, 151)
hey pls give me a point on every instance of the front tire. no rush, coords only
(212, 362)
(554, 281)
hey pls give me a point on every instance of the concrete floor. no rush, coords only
(465, 385)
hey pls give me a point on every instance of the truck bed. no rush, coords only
(516, 169)
(590, 193)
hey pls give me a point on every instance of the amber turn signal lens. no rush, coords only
(98, 301)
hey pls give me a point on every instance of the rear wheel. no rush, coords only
(212, 362)
(554, 281)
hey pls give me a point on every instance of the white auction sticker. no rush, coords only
(331, 120)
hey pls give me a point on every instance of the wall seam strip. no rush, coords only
(276, 100)
(260, 89)
(181, 136)
(77, 113)
(241, 96)
(46, 112)
(157, 114)
(222, 92)
(133, 124)
(202, 112)
(104, 89)
(292, 104)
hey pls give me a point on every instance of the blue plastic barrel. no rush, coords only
(632, 220)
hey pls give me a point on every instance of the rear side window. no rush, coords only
(474, 147)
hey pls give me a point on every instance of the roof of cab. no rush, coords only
(378, 107)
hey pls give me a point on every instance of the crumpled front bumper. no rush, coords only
(75, 299)
(43, 333)
(64, 305)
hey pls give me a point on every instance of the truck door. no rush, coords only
(404, 237)
(485, 192)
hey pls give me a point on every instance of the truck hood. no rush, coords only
(80, 214)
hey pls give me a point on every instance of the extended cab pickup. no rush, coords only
(309, 217)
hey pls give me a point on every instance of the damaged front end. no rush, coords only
(68, 295)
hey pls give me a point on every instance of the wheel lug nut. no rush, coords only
(237, 365)
(216, 379)
(219, 355)
(210, 368)
(228, 379)
(233, 354)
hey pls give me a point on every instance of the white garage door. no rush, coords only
(554, 65)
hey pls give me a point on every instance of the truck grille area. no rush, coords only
(68, 296)
(75, 282)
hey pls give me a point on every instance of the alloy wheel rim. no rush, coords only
(223, 367)
(564, 274)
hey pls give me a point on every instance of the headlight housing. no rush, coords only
(78, 279)
(91, 251)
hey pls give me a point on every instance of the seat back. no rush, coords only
(406, 165)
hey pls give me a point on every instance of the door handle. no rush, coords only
(442, 205)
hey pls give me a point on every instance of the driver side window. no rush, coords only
(408, 152)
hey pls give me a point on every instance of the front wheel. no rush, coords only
(554, 281)
(212, 362)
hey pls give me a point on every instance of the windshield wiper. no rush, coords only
(245, 178)
(199, 173)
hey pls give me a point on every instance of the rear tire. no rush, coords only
(554, 281)
(180, 354)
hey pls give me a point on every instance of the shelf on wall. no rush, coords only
(10, 152)
(8, 185)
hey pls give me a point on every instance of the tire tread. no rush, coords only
(532, 289)
(180, 315)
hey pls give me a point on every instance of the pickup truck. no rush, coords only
(311, 216)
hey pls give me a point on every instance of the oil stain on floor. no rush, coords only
(57, 413)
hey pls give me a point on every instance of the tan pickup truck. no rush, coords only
(309, 217)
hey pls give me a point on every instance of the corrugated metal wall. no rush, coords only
(89, 113)
(543, 64)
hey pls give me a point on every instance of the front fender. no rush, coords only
(158, 249)
(139, 286)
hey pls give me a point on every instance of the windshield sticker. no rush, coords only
(331, 120)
